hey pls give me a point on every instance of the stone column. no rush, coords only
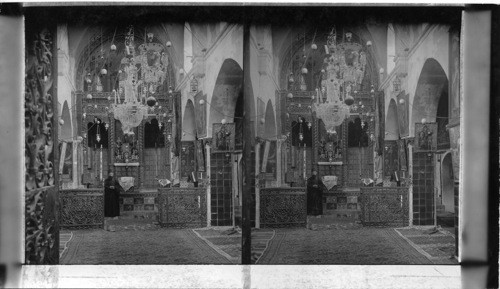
(410, 184)
(257, 185)
(209, 193)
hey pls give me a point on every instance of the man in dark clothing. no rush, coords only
(111, 196)
(315, 195)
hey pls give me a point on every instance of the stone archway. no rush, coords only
(432, 84)
(226, 91)
(429, 106)
(226, 108)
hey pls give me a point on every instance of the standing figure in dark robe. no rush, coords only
(315, 195)
(111, 196)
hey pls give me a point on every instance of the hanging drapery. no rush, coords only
(100, 164)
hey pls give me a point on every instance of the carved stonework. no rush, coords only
(182, 207)
(41, 154)
(283, 207)
(384, 206)
(82, 208)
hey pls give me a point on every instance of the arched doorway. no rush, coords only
(430, 107)
(225, 125)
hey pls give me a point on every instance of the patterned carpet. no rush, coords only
(437, 245)
(64, 239)
(226, 241)
(141, 247)
(261, 239)
(363, 246)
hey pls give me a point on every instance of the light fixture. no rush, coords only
(113, 47)
(349, 100)
(104, 71)
(223, 121)
(61, 121)
(202, 102)
(401, 101)
(168, 44)
(314, 46)
(289, 95)
(423, 120)
(89, 96)
(304, 70)
(368, 43)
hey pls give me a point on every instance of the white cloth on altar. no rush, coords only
(330, 181)
(126, 183)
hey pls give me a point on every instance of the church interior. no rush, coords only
(372, 104)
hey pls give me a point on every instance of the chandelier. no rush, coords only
(142, 72)
(342, 74)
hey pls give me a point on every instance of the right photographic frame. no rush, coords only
(356, 120)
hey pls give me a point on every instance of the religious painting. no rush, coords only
(425, 137)
(330, 143)
(126, 145)
(223, 136)
(403, 115)
(454, 75)
(200, 109)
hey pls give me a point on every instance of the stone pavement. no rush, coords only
(260, 242)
